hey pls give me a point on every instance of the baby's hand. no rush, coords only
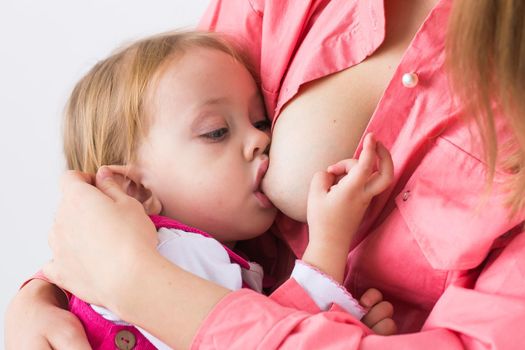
(339, 196)
(379, 315)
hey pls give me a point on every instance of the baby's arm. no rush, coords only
(337, 202)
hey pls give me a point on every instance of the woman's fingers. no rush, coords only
(386, 326)
(378, 312)
(69, 335)
(75, 177)
(371, 297)
(105, 182)
(88, 226)
(52, 273)
(35, 319)
(379, 316)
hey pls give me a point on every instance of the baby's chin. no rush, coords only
(261, 226)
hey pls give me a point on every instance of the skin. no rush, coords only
(301, 145)
(325, 121)
(210, 116)
(219, 125)
(345, 187)
(207, 141)
(74, 270)
(47, 307)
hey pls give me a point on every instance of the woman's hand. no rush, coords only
(380, 312)
(36, 319)
(98, 237)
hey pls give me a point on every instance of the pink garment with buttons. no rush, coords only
(102, 333)
(449, 259)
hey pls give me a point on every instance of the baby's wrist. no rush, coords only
(332, 234)
(330, 238)
(327, 247)
(327, 257)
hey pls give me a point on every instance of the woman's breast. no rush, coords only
(322, 125)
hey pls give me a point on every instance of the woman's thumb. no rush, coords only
(105, 181)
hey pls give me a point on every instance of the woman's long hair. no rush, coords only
(486, 58)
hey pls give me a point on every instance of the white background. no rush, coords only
(45, 47)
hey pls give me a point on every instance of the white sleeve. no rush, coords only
(324, 290)
(202, 256)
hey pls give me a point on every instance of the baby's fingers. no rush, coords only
(342, 167)
(385, 173)
(321, 183)
(367, 158)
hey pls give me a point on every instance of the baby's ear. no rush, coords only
(128, 179)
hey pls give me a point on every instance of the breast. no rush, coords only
(321, 125)
(326, 119)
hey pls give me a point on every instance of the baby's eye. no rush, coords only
(263, 125)
(216, 135)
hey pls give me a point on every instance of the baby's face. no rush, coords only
(205, 153)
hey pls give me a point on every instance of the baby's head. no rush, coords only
(179, 119)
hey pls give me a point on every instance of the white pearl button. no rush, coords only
(410, 80)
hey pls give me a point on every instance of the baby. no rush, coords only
(179, 120)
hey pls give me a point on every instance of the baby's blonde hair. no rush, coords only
(105, 114)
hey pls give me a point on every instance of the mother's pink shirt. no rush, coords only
(448, 258)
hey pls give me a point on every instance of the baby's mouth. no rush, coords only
(259, 193)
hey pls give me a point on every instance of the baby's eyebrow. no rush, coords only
(214, 101)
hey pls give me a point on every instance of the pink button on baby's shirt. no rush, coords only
(451, 262)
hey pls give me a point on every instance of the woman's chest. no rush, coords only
(340, 105)
(434, 229)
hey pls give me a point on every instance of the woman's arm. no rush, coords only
(37, 319)
(201, 314)
(138, 277)
(489, 316)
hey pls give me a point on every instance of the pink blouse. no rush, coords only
(438, 246)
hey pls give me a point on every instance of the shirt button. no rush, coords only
(410, 80)
(125, 340)
(406, 194)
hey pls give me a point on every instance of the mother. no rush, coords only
(443, 244)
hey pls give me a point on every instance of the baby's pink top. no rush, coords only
(450, 261)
